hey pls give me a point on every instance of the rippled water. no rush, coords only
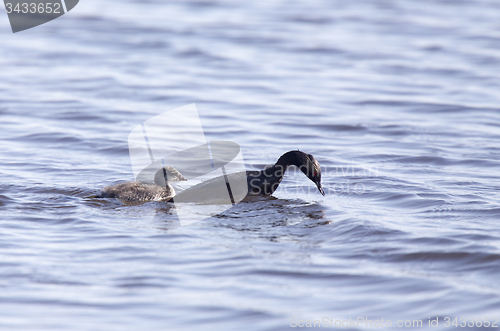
(398, 101)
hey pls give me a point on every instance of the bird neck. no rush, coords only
(289, 158)
(279, 168)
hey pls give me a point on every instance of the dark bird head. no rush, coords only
(306, 163)
(312, 170)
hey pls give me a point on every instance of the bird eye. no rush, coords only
(315, 173)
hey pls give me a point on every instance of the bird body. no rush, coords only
(137, 191)
(263, 182)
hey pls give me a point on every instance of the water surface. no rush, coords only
(398, 101)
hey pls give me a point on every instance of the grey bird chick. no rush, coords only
(161, 190)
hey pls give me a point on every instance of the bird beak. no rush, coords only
(318, 184)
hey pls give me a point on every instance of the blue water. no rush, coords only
(397, 100)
